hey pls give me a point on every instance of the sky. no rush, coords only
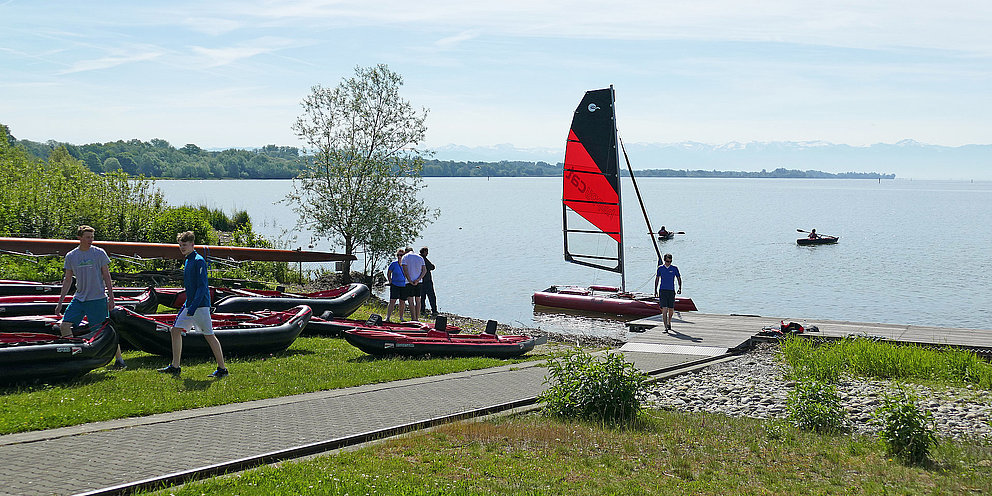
(233, 73)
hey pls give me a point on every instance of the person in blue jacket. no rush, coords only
(195, 312)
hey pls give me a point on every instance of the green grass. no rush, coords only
(310, 364)
(665, 453)
(828, 361)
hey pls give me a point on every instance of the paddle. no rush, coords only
(818, 234)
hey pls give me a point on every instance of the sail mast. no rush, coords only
(616, 151)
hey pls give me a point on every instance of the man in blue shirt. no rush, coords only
(196, 310)
(665, 291)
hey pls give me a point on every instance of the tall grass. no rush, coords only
(828, 361)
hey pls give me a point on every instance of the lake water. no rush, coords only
(911, 252)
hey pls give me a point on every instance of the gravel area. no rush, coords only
(754, 386)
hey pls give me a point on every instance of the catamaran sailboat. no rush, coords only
(591, 211)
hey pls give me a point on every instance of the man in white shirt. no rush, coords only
(414, 269)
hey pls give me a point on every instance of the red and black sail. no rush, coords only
(591, 182)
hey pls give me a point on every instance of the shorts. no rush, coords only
(200, 319)
(666, 298)
(95, 311)
(397, 292)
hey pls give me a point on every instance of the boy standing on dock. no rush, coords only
(196, 310)
(665, 291)
(94, 297)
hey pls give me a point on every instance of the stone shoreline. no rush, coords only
(754, 385)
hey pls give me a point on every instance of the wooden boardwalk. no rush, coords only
(734, 332)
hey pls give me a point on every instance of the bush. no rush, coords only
(906, 429)
(815, 406)
(608, 390)
(175, 220)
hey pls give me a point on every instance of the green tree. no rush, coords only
(361, 171)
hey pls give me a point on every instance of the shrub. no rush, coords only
(906, 429)
(815, 406)
(608, 390)
(175, 220)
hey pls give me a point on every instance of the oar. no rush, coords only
(818, 234)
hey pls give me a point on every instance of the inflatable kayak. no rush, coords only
(440, 343)
(11, 306)
(338, 302)
(239, 334)
(29, 357)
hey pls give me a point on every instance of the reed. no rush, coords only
(827, 361)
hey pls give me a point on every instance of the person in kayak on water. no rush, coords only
(813, 235)
(663, 232)
(664, 289)
(94, 297)
(195, 312)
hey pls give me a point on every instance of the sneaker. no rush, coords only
(220, 372)
(170, 370)
(118, 365)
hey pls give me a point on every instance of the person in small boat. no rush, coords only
(414, 270)
(195, 312)
(427, 286)
(663, 232)
(664, 289)
(397, 285)
(94, 296)
(813, 235)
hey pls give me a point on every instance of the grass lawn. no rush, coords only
(310, 364)
(665, 453)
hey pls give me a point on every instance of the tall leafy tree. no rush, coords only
(362, 165)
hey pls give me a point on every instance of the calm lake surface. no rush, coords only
(910, 252)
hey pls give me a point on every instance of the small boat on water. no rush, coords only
(592, 218)
(667, 235)
(605, 299)
(239, 334)
(440, 343)
(821, 240)
(29, 356)
(11, 306)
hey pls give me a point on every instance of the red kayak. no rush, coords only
(605, 299)
(439, 343)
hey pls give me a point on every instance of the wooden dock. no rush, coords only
(728, 333)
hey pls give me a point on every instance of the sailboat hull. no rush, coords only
(605, 301)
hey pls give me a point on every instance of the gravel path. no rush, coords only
(754, 386)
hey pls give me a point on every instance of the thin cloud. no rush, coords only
(109, 62)
(216, 57)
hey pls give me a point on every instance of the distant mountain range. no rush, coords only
(906, 159)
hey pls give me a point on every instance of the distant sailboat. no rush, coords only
(591, 190)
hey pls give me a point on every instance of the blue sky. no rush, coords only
(226, 74)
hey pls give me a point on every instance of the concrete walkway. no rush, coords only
(104, 457)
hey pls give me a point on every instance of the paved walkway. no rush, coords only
(107, 454)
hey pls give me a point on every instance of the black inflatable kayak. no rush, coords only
(31, 357)
(340, 302)
(239, 334)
